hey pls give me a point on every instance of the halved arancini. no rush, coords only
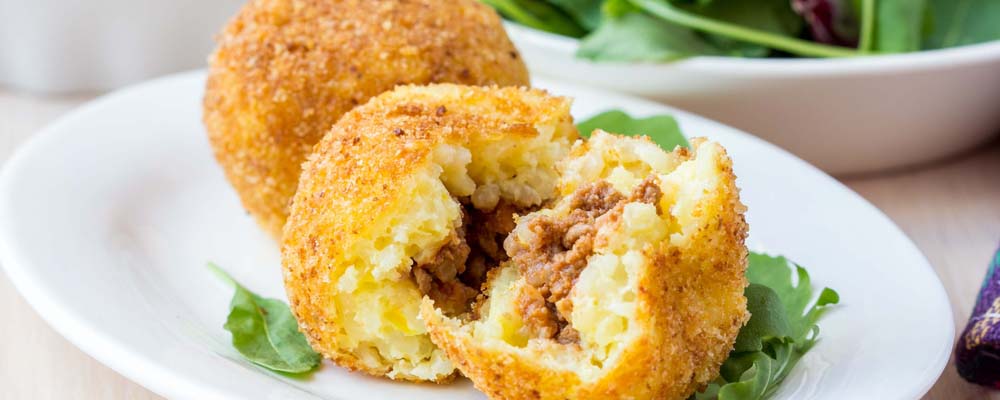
(630, 285)
(412, 194)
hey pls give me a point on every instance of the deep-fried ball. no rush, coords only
(285, 70)
(629, 287)
(412, 194)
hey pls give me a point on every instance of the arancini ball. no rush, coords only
(629, 286)
(450, 227)
(412, 194)
(285, 70)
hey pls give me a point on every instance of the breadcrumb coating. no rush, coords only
(387, 186)
(285, 70)
(657, 307)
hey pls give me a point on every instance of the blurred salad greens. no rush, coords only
(665, 30)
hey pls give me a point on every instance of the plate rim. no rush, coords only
(133, 364)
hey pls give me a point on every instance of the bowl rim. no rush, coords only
(920, 60)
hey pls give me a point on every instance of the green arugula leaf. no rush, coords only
(587, 13)
(265, 332)
(899, 25)
(668, 30)
(772, 16)
(537, 14)
(763, 304)
(756, 384)
(776, 273)
(636, 36)
(961, 22)
(782, 328)
(628, 34)
(679, 14)
(661, 129)
(618, 8)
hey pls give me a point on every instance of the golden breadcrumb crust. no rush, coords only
(354, 177)
(285, 70)
(690, 309)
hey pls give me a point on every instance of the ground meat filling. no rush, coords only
(488, 230)
(454, 275)
(437, 276)
(553, 260)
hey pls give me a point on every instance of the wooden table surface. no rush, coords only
(951, 209)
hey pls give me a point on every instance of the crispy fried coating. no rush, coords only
(285, 70)
(659, 304)
(388, 185)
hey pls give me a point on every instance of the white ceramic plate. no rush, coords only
(110, 214)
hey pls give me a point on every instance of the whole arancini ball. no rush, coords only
(285, 70)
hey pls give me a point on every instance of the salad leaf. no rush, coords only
(618, 8)
(586, 13)
(629, 34)
(961, 22)
(773, 16)
(265, 332)
(898, 25)
(661, 30)
(537, 14)
(661, 129)
(776, 273)
(636, 36)
(667, 30)
(673, 13)
(769, 320)
(834, 21)
(782, 328)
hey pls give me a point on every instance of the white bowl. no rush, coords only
(846, 116)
